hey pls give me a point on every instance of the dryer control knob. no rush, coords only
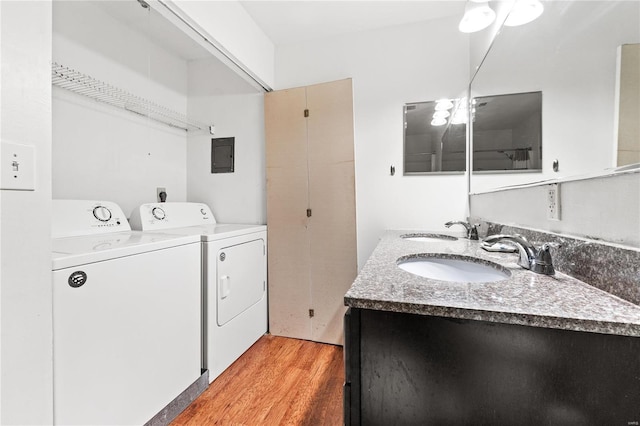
(102, 213)
(158, 213)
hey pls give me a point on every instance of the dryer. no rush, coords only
(126, 316)
(234, 272)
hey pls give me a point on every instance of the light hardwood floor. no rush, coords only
(278, 381)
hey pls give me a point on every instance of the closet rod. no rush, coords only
(83, 84)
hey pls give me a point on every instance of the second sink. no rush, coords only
(453, 268)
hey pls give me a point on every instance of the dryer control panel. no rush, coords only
(158, 216)
(73, 218)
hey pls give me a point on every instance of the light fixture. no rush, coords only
(441, 114)
(438, 121)
(523, 12)
(477, 16)
(443, 104)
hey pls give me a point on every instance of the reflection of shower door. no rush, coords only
(628, 104)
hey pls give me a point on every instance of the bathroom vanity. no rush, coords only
(527, 349)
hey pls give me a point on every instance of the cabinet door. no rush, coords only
(287, 202)
(332, 228)
(312, 260)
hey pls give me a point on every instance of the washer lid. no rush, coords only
(74, 251)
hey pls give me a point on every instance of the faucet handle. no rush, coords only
(473, 232)
(543, 263)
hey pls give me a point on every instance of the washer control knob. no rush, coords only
(102, 213)
(158, 213)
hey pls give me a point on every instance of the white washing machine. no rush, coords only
(234, 265)
(126, 316)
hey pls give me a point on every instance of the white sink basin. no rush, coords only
(453, 268)
(427, 237)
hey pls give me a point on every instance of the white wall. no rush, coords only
(217, 96)
(575, 70)
(25, 113)
(229, 27)
(389, 67)
(101, 152)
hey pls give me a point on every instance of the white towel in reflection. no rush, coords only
(520, 159)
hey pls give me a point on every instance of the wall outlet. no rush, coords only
(158, 191)
(553, 202)
(18, 167)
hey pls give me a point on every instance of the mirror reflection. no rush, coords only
(628, 105)
(435, 137)
(572, 54)
(507, 132)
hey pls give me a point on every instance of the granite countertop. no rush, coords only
(525, 298)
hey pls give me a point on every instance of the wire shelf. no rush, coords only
(74, 81)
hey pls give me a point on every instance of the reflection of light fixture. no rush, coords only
(523, 12)
(477, 16)
(438, 121)
(441, 114)
(460, 116)
(443, 104)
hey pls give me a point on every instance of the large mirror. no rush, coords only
(572, 55)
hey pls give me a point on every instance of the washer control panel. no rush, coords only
(85, 217)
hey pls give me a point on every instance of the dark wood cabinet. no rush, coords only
(404, 369)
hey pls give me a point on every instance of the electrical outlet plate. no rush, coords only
(553, 202)
(18, 171)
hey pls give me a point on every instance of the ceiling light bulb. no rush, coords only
(477, 16)
(438, 122)
(523, 12)
(443, 104)
(441, 114)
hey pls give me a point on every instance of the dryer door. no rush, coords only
(240, 278)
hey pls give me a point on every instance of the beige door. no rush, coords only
(310, 170)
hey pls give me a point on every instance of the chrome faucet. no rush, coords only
(472, 230)
(535, 259)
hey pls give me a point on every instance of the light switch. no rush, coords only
(18, 167)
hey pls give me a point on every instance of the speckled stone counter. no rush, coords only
(525, 298)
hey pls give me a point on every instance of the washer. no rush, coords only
(126, 316)
(234, 265)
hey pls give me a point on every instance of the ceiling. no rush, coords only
(288, 22)
(294, 21)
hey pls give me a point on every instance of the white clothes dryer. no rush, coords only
(126, 316)
(234, 265)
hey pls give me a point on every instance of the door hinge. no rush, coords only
(306, 112)
(311, 313)
(308, 212)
